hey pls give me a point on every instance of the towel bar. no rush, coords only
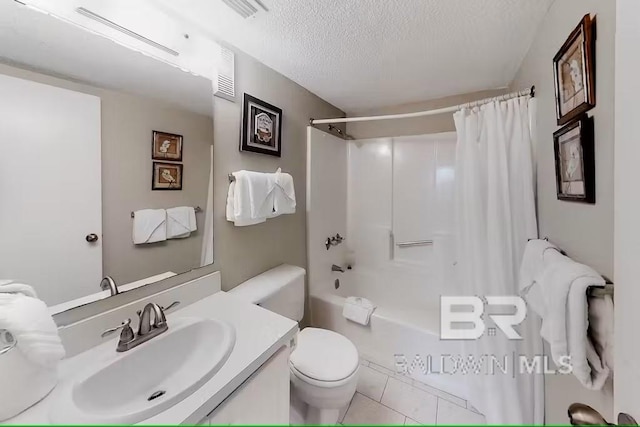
(197, 209)
(416, 243)
(600, 291)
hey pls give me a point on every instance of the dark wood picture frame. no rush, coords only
(156, 183)
(584, 35)
(159, 138)
(255, 111)
(585, 163)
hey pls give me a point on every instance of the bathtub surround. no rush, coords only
(585, 232)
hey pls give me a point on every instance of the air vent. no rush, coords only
(226, 75)
(246, 8)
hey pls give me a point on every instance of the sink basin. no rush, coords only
(147, 380)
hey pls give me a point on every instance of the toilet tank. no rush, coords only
(280, 290)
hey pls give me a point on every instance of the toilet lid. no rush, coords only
(324, 355)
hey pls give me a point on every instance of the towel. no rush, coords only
(181, 222)
(358, 310)
(231, 204)
(29, 370)
(533, 262)
(284, 194)
(149, 226)
(254, 195)
(27, 319)
(601, 328)
(563, 284)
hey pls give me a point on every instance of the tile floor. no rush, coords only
(384, 397)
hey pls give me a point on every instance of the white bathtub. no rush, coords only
(396, 328)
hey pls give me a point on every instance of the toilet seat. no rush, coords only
(323, 357)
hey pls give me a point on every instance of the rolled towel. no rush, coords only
(358, 310)
(28, 320)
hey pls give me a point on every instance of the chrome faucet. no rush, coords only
(337, 268)
(146, 328)
(107, 283)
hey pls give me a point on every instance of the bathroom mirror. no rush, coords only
(92, 131)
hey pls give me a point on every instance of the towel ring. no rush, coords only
(7, 341)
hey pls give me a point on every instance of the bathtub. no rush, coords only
(399, 330)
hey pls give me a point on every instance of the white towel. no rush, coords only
(29, 370)
(254, 194)
(28, 320)
(601, 328)
(181, 222)
(533, 262)
(563, 284)
(149, 226)
(358, 310)
(284, 194)
(231, 217)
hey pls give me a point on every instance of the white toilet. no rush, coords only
(324, 364)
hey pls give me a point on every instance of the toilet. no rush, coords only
(324, 364)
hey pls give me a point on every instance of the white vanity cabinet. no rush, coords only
(262, 399)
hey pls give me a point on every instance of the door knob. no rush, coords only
(91, 238)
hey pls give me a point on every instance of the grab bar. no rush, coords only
(416, 243)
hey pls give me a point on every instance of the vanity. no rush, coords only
(219, 357)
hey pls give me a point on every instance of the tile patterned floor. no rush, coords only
(384, 397)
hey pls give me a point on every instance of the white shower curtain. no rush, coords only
(495, 215)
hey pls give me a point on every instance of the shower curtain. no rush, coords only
(495, 215)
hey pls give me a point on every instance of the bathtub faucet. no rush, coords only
(337, 268)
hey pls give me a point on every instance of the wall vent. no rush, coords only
(226, 75)
(246, 8)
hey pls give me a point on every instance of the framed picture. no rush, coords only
(261, 127)
(167, 176)
(166, 146)
(574, 73)
(575, 161)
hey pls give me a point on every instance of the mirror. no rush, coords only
(92, 131)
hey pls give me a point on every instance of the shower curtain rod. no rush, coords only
(527, 92)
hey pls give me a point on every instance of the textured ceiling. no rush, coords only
(360, 54)
(40, 42)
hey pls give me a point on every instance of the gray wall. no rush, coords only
(415, 126)
(243, 252)
(584, 231)
(127, 123)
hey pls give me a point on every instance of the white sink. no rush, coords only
(171, 366)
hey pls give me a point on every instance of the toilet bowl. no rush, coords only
(324, 373)
(324, 364)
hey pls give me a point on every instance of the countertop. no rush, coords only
(259, 334)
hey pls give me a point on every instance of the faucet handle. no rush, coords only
(126, 330)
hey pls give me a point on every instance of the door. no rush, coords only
(50, 179)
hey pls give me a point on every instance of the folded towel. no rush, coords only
(284, 194)
(27, 319)
(181, 222)
(358, 310)
(149, 226)
(231, 206)
(563, 284)
(254, 194)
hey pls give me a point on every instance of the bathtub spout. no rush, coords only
(337, 268)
